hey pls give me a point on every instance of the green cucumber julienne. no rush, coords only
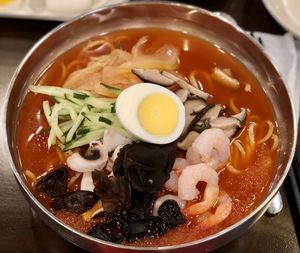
(77, 117)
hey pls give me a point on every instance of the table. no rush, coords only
(22, 231)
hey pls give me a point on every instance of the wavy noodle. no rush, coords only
(251, 133)
(233, 170)
(275, 142)
(234, 156)
(94, 45)
(136, 49)
(269, 133)
(233, 106)
(239, 146)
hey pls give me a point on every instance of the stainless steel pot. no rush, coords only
(173, 16)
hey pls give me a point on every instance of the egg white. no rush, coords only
(127, 106)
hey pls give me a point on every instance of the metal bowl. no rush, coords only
(173, 16)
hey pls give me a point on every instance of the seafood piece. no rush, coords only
(212, 147)
(112, 139)
(76, 202)
(94, 159)
(180, 164)
(54, 183)
(224, 207)
(172, 183)
(187, 189)
(159, 201)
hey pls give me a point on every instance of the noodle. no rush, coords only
(233, 170)
(275, 142)
(269, 133)
(63, 73)
(233, 106)
(239, 146)
(193, 80)
(93, 45)
(251, 133)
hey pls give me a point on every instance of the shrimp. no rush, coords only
(158, 202)
(172, 183)
(223, 210)
(187, 189)
(212, 146)
(180, 164)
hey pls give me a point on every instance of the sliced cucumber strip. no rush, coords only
(76, 108)
(54, 90)
(76, 124)
(84, 139)
(66, 126)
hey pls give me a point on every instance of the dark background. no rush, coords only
(21, 231)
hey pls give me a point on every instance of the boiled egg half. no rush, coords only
(151, 113)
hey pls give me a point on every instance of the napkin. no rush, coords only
(284, 52)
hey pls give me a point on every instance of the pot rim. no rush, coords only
(51, 216)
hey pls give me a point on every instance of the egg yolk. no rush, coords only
(5, 1)
(158, 114)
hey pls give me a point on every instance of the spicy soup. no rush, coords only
(244, 178)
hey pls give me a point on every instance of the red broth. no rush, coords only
(246, 189)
